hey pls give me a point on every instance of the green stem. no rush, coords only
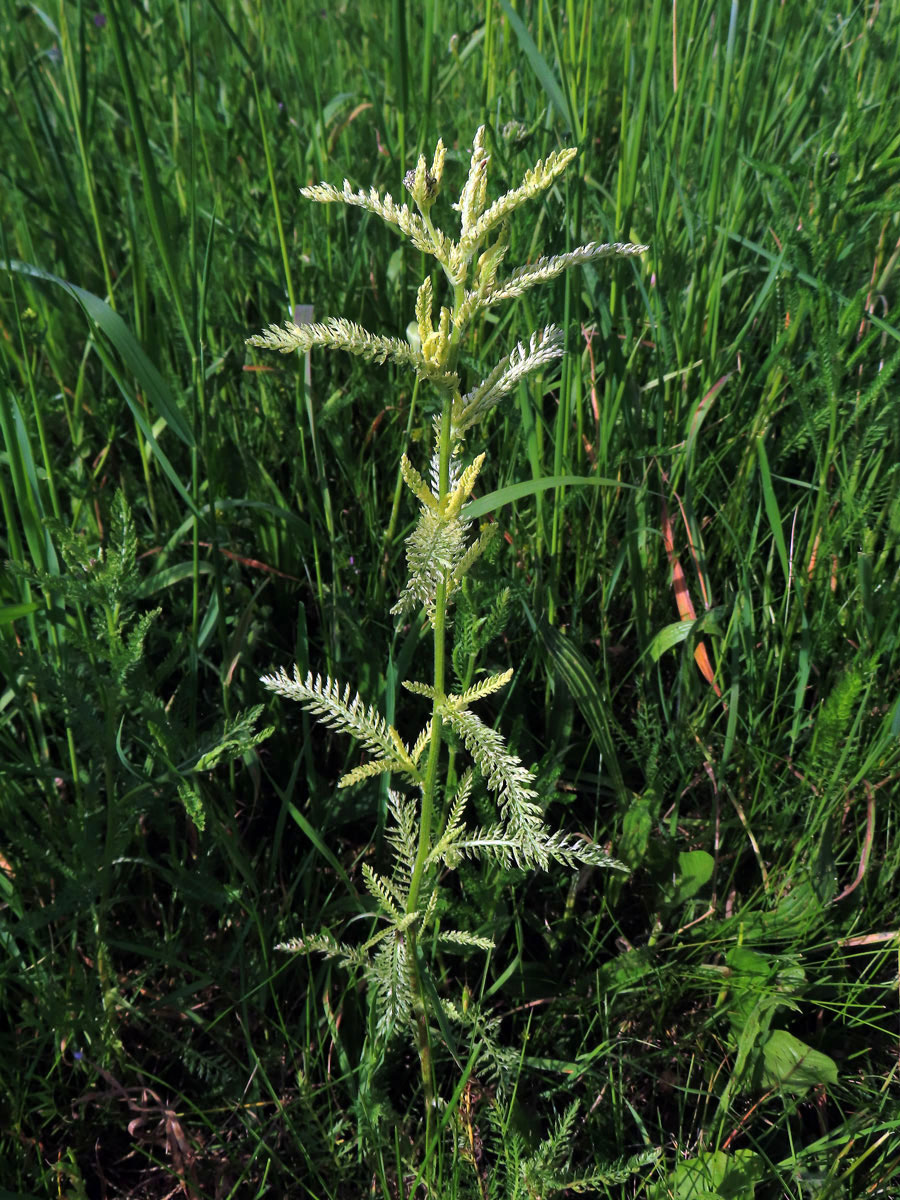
(429, 788)
(423, 1041)
(440, 654)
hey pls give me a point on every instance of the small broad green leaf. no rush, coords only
(798, 910)
(637, 824)
(748, 1033)
(750, 995)
(749, 962)
(678, 631)
(669, 636)
(695, 868)
(625, 970)
(789, 1063)
(713, 1175)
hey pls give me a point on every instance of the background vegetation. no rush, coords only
(706, 642)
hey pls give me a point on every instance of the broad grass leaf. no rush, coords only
(531, 487)
(27, 487)
(15, 612)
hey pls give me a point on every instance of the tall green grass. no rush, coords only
(740, 389)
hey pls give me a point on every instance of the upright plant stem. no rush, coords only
(429, 788)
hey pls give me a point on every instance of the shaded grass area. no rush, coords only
(705, 639)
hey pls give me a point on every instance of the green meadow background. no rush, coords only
(704, 622)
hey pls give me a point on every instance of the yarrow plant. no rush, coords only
(432, 830)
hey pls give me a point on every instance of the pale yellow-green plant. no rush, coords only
(432, 831)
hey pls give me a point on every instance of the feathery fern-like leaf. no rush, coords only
(324, 943)
(336, 333)
(430, 242)
(503, 772)
(537, 179)
(338, 711)
(368, 770)
(434, 551)
(549, 267)
(384, 891)
(478, 691)
(458, 937)
(542, 348)
(391, 974)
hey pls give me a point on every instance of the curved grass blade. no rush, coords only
(581, 679)
(130, 351)
(531, 487)
(151, 383)
(26, 486)
(541, 67)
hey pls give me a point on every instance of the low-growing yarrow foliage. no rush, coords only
(432, 830)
